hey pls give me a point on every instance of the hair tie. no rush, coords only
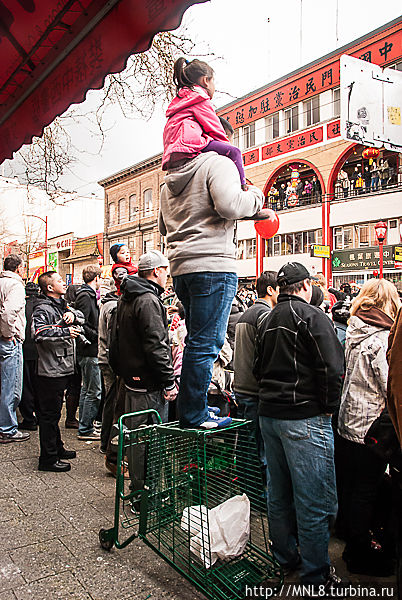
(186, 61)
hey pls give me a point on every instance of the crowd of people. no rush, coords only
(285, 195)
(310, 365)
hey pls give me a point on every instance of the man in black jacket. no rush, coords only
(145, 357)
(30, 355)
(299, 366)
(87, 354)
(54, 331)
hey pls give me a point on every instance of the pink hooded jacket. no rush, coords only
(192, 123)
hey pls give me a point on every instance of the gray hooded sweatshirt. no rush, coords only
(200, 203)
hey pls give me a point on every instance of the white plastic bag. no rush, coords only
(229, 529)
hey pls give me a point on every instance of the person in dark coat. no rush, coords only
(87, 353)
(54, 328)
(30, 355)
(74, 387)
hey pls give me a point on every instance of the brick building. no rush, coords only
(287, 128)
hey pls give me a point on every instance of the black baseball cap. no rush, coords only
(293, 272)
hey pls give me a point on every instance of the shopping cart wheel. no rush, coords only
(106, 539)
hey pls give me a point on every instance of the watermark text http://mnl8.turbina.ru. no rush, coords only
(298, 590)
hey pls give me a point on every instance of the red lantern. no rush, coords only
(370, 153)
(268, 225)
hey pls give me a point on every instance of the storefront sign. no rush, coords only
(285, 94)
(296, 142)
(357, 259)
(320, 251)
(65, 244)
(249, 158)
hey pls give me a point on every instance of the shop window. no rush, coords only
(336, 102)
(312, 111)
(292, 119)
(132, 206)
(272, 127)
(122, 210)
(251, 248)
(147, 200)
(112, 213)
(249, 136)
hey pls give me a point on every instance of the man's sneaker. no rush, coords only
(18, 436)
(97, 425)
(333, 587)
(94, 436)
(214, 422)
(214, 410)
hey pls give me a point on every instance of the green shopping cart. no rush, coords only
(197, 498)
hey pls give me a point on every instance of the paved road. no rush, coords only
(49, 526)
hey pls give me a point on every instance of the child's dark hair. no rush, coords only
(187, 74)
(226, 126)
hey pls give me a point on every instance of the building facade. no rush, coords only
(327, 191)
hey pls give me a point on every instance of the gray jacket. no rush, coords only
(245, 337)
(56, 347)
(365, 388)
(108, 303)
(12, 306)
(200, 203)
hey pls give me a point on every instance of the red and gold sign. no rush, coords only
(249, 158)
(333, 129)
(296, 142)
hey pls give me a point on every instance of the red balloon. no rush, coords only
(268, 226)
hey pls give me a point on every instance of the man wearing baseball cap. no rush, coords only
(145, 361)
(299, 365)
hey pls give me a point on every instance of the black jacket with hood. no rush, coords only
(144, 351)
(86, 302)
(56, 347)
(299, 362)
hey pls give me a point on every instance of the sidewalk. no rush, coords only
(49, 525)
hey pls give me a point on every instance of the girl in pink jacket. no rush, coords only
(193, 126)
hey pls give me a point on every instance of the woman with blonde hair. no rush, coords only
(364, 396)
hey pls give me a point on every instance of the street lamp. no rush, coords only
(381, 233)
(44, 220)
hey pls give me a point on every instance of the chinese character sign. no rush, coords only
(301, 140)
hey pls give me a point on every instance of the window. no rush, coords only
(122, 210)
(336, 101)
(132, 206)
(298, 243)
(249, 136)
(251, 248)
(338, 238)
(240, 250)
(309, 240)
(236, 138)
(147, 242)
(147, 200)
(287, 243)
(347, 237)
(312, 111)
(277, 245)
(393, 224)
(112, 213)
(292, 119)
(272, 127)
(363, 232)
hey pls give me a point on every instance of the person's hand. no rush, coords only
(170, 395)
(74, 331)
(68, 318)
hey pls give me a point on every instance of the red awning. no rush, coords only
(53, 51)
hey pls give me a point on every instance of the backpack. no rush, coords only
(113, 342)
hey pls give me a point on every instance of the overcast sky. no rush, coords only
(258, 41)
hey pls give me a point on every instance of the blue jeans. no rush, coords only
(248, 409)
(91, 393)
(11, 384)
(302, 497)
(207, 299)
